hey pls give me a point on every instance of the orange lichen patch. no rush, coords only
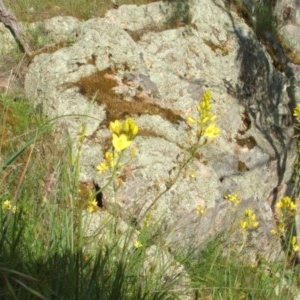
(220, 48)
(246, 123)
(99, 87)
(248, 143)
(100, 84)
(242, 167)
(294, 57)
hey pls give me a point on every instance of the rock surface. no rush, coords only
(7, 41)
(136, 62)
(288, 12)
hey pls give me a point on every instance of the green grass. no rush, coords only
(218, 276)
(33, 10)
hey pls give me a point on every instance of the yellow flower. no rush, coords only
(297, 111)
(213, 118)
(250, 222)
(206, 101)
(294, 244)
(110, 162)
(147, 220)
(191, 121)
(6, 205)
(138, 244)
(111, 159)
(130, 128)
(102, 167)
(92, 206)
(292, 206)
(281, 228)
(121, 142)
(200, 210)
(205, 122)
(249, 213)
(193, 174)
(13, 209)
(207, 118)
(115, 127)
(243, 225)
(286, 203)
(212, 131)
(233, 198)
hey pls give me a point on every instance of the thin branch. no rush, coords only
(10, 21)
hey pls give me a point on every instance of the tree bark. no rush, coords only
(10, 21)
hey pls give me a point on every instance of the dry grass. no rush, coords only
(35, 10)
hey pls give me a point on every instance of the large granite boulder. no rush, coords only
(138, 62)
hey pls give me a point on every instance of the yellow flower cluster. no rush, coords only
(250, 221)
(138, 244)
(286, 203)
(110, 161)
(233, 198)
(206, 121)
(200, 210)
(280, 229)
(147, 220)
(297, 111)
(92, 206)
(285, 212)
(6, 205)
(123, 133)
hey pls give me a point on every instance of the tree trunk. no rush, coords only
(10, 21)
